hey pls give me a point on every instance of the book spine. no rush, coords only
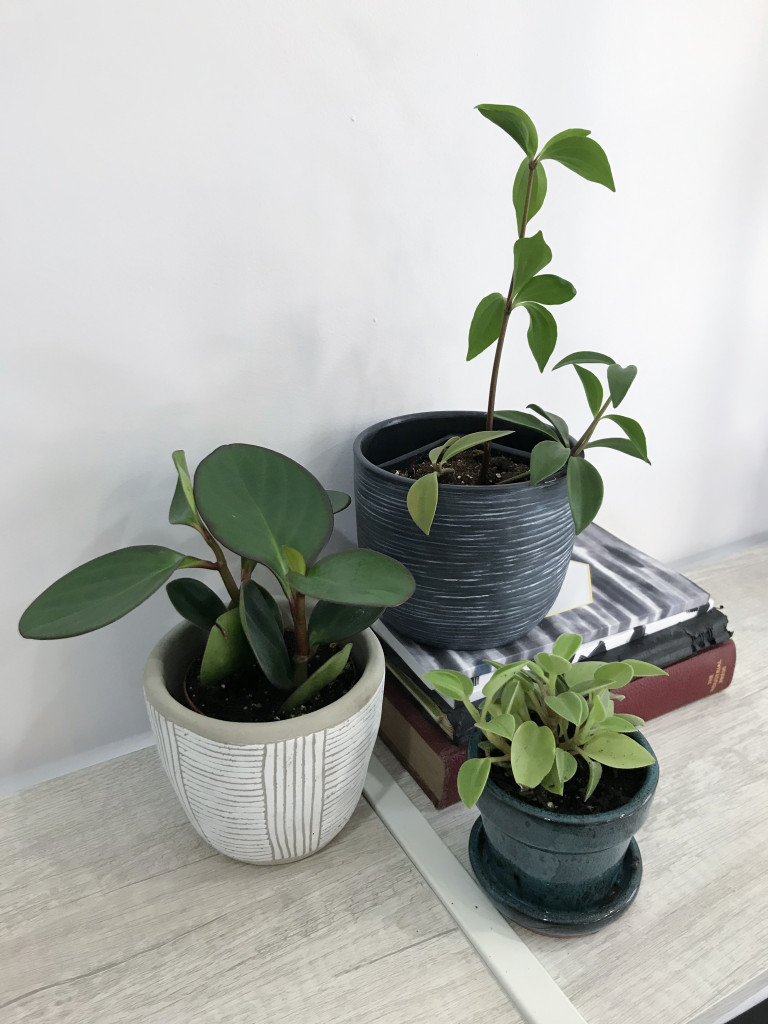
(668, 646)
(689, 680)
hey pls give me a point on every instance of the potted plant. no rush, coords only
(265, 732)
(483, 507)
(563, 781)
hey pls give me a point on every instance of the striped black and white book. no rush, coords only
(632, 594)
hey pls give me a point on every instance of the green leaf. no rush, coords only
(195, 601)
(256, 501)
(533, 752)
(319, 679)
(99, 592)
(570, 706)
(435, 454)
(546, 458)
(619, 381)
(593, 389)
(557, 421)
(451, 684)
(577, 358)
(339, 500)
(547, 288)
(526, 419)
(530, 256)
(595, 774)
(486, 324)
(542, 333)
(585, 492)
(614, 674)
(183, 511)
(520, 188)
(581, 672)
(332, 623)
(619, 444)
(501, 725)
(580, 154)
(617, 750)
(514, 122)
(360, 576)
(565, 764)
(265, 636)
(472, 778)
(462, 444)
(644, 668)
(566, 645)
(618, 723)
(422, 501)
(552, 664)
(633, 430)
(227, 649)
(295, 560)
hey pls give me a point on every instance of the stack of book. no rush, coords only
(623, 603)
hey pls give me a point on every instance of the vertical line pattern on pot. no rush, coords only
(275, 801)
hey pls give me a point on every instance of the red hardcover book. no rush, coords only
(434, 761)
(703, 674)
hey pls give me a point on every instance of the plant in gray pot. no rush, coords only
(483, 507)
(563, 781)
(265, 713)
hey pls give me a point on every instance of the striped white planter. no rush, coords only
(268, 792)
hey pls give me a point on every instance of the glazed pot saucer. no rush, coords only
(548, 921)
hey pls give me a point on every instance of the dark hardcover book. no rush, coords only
(434, 761)
(666, 647)
(630, 591)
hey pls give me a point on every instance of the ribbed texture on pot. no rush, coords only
(496, 556)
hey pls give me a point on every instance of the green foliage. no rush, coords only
(539, 717)
(272, 512)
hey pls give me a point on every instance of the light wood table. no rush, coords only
(112, 910)
(696, 937)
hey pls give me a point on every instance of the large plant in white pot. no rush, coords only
(483, 506)
(265, 714)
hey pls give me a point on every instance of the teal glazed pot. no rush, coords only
(496, 556)
(560, 874)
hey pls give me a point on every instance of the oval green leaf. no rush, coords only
(422, 501)
(542, 333)
(319, 679)
(227, 649)
(593, 389)
(533, 753)
(644, 668)
(339, 501)
(570, 706)
(557, 421)
(195, 601)
(100, 592)
(520, 190)
(182, 511)
(585, 492)
(486, 324)
(256, 501)
(451, 684)
(264, 635)
(546, 458)
(295, 560)
(501, 725)
(619, 381)
(547, 288)
(360, 576)
(526, 419)
(332, 623)
(595, 774)
(566, 645)
(514, 122)
(619, 444)
(530, 256)
(633, 430)
(617, 751)
(582, 155)
(614, 674)
(472, 778)
(577, 358)
(462, 444)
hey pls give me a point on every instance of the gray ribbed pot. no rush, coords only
(562, 874)
(496, 556)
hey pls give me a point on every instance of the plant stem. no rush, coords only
(584, 439)
(301, 638)
(502, 333)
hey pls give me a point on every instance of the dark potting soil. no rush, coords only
(248, 696)
(615, 788)
(465, 469)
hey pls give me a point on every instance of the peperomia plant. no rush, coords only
(270, 511)
(539, 716)
(534, 291)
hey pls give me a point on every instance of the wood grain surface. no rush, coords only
(113, 910)
(698, 931)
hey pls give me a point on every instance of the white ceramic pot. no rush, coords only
(264, 792)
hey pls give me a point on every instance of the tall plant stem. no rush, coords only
(585, 437)
(221, 565)
(301, 638)
(502, 333)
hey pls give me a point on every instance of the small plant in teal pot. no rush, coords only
(563, 780)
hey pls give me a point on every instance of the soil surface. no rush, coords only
(615, 788)
(248, 696)
(465, 469)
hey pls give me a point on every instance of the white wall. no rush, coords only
(271, 223)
